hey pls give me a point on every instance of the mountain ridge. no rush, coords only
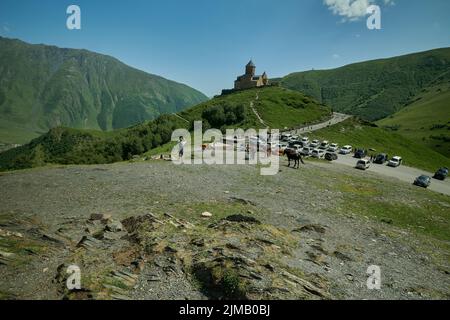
(373, 89)
(47, 86)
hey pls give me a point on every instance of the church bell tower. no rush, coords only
(250, 69)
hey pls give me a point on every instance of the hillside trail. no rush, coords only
(178, 116)
(252, 106)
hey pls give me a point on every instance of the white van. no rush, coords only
(363, 164)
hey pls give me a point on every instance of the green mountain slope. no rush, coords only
(374, 89)
(362, 134)
(426, 120)
(278, 107)
(42, 87)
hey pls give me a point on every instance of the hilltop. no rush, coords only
(278, 107)
(43, 87)
(374, 89)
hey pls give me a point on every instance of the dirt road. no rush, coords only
(337, 118)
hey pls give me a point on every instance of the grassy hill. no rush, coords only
(362, 134)
(277, 107)
(42, 87)
(426, 120)
(374, 89)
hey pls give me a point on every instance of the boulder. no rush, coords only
(114, 226)
(206, 214)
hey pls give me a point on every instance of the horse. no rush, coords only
(295, 156)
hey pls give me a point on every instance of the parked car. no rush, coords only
(324, 145)
(318, 154)
(363, 164)
(360, 153)
(441, 174)
(306, 151)
(422, 181)
(257, 140)
(331, 156)
(395, 162)
(296, 142)
(334, 147)
(346, 150)
(305, 141)
(295, 145)
(381, 158)
(285, 137)
(314, 144)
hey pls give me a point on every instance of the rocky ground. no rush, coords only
(153, 230)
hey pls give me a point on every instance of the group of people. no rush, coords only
(250, 149)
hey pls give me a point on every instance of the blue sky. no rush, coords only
(206, 43)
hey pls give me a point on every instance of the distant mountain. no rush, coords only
(278, 107)
(42, 87)
(374, 89)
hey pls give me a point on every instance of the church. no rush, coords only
(249, 79)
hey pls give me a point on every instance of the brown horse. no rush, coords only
(295, 156)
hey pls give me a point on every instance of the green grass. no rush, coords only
(426, 120)
(363, 135)
(289, 109)
(13, 133)
(192, 211)
(425, 214)
(375, 89)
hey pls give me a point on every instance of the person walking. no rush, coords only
(181, 145)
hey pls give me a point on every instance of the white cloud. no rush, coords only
(351, 10)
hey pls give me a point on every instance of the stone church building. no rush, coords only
(249, 79)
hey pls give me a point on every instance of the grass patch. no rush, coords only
(425, 214)
(425, 120)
